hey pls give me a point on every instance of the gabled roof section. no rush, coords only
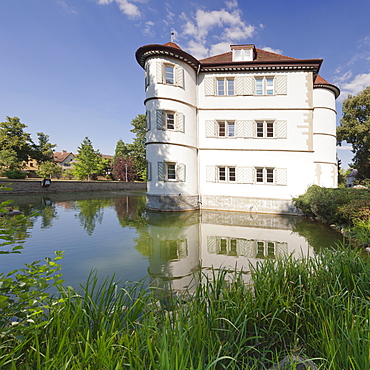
(319, 82)
(59, 157)
(263, 60)
(261, 56)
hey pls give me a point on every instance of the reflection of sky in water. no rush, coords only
(110, 249)
(171, 244)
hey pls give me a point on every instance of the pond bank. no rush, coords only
(58, 186)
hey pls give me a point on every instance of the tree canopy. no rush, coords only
(17, 147)
(88, 161)
(355, 129)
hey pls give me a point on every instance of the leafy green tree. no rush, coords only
(14, 140)
(355, 129)
(122, 149)
(137, 148)
(9, 160)
(43, 151)
(47, 169)
(88, 161)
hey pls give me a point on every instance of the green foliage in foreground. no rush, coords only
(317, 307)
(345, 207)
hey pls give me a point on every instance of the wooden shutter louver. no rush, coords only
(179, 73)
(281, 176)
(180, 122)
(160, 171)
(244, 129)
(147, 120)
(244, 175)
(281, 84)
(211, 129)
(249, 85)
(159, 73)
(210, 173)
(281, 129)
(148, 171)
(159, 119)
(211, 244)
(180, 172)
(209, 86)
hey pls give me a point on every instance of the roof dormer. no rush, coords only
(243, 53)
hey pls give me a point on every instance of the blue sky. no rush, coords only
(68, 68)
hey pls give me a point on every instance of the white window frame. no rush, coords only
(168, 167)
(265, 129)
(226, 90)
(227, 128)
(266, 89)
(229, 174)
(265, 175)
(169, 120)
(169, 81)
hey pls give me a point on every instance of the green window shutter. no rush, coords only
(211, 244)
(210, 173)
(209, 86)
(211, 129)
(249, 85)
(147, 120)
(281, 129)
(180, 172)
(281, 84)
(159, 119)
(159, 73)
(180, 122)
(244, 129)
(281, 176)
(160, 171)
(179, 73)
(244, 175)
(148, 171)
(147, 76)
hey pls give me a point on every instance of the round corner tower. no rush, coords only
(171, 139)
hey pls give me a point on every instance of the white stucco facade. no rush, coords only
(236, 135)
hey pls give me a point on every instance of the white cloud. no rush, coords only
(358, 83)
(221, 47)
(127, 8)
(66, 7)
(148, 31)
(197, 49)
(271, 50)
(231, 4)
(226, 26)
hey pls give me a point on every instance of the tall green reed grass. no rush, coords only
(317, 307)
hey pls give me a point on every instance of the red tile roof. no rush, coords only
(61, 156)
(261, 56)
(172, 45)
(320, 82)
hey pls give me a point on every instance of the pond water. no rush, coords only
(112, 233)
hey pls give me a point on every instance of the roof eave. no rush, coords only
(147, 51)
(331, 87)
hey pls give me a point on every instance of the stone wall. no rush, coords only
(59, 186)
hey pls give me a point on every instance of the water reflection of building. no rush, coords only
(181, 243)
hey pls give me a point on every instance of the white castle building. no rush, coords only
(246, 130)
